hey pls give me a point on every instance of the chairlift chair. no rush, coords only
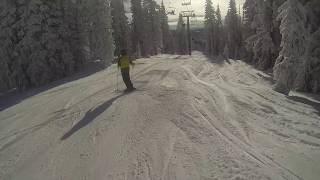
(186, 2)
(171, 11)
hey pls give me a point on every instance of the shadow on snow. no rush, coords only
(15, 97)
(306, 101)
(90, 116)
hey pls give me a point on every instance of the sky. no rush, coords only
(197, 5)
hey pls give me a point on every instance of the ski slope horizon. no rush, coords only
(192, 117)
(197, 5)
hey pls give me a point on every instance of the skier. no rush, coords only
(124, 64)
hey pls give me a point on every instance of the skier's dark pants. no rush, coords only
(126, 77)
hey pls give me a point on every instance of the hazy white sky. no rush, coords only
(199, 5)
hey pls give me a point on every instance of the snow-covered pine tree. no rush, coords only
(100, 30)
(156, 28)
(6, 35)
(66, 45)
(209, 21)
(275, 34)
(219, 41)
(261, 43)
(232, 28)
(147, 39)
(75, 31)
(108, 43)
(45, 40)
(249, 11)
(13, 31)
(313, 58)
(40, 43)
(120, 26)
(18, 37)
(250, 8)
(151, 24)
(167, 43)
(137, 27)
(313, 73)
(290, 67)
(164, 27)
(181, 36)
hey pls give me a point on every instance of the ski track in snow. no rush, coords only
(191, 118)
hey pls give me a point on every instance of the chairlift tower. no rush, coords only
(188, 14)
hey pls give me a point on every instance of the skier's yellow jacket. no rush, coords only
(124, 62)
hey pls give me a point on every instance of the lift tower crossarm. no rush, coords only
(188, 14)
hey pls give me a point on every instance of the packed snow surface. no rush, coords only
(191, 118)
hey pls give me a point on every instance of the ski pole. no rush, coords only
(117, 78)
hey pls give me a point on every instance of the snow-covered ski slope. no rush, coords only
(190, 119)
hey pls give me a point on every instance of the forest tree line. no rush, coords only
(43, 41)
(278, 35)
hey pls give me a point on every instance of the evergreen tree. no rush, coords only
(232, 28)
(156, 28)
(313, 50)
(261, 43)
(12, 25)
(290, 67)
(250, 10)
(147, 22)
(43, 41)
(152, 31)
(167, 43)
(74, 36)
(210, 27)
(137, 27)
(297, 65)
(7, 20)
(120, 26)
(100, 30)
(181, 35)
(219, 41)
(313, 64)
